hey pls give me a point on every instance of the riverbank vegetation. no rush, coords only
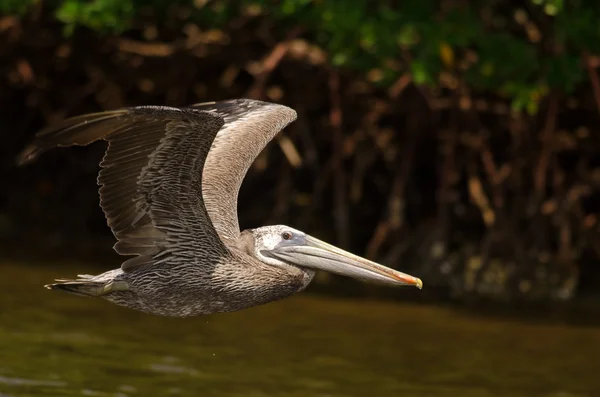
(456, 140)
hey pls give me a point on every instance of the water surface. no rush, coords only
(54, 344)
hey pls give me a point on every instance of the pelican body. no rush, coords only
(169, 183)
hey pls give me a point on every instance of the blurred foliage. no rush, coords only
(519, 53)
(405, 147)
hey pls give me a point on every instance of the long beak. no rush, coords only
(316, 254)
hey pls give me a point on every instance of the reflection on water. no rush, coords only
(53, 344)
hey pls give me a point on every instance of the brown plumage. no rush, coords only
(169, 183)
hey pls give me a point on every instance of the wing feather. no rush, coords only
(249, 126)
(150, 179)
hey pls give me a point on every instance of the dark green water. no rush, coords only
(53, 344)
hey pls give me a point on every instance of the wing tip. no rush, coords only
(28, 155)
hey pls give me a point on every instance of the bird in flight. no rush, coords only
(169, 184)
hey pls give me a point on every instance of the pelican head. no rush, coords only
(283, 246)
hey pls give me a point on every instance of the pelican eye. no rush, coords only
(286, 235)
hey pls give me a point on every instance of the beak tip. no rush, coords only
(418, 283)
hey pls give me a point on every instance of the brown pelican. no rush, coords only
(169, 183)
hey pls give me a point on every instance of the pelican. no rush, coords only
(169, 184)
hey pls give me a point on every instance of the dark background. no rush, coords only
(466, 154)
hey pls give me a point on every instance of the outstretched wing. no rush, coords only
(151, 179)
(249, 126)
